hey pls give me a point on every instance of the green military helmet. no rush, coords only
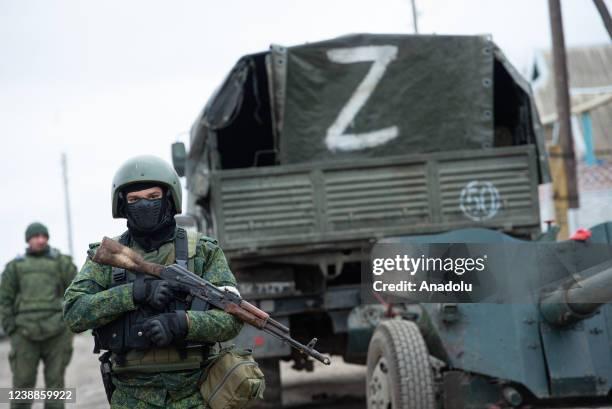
(34, 229)
(146, 168)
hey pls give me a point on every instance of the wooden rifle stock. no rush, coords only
(115, 254)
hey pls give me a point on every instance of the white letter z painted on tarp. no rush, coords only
(336, 139)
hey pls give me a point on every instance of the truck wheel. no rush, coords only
(399, 374)
(273, 392)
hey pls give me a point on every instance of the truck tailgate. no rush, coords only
(330, 202)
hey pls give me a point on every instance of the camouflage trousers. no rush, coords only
(55, 352)
(124, 398)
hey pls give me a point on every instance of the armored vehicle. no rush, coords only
(552, 349)
(306, 155)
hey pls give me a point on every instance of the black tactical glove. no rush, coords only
(166, 329)
(156, 293)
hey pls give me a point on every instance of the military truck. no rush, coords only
(306, 155)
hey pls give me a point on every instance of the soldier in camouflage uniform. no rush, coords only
(31, 312)
(158, 340)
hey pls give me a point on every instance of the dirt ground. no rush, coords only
(340, 386)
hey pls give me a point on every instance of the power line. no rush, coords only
(605, 15)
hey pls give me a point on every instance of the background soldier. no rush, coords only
(158, 339)
(31, 312)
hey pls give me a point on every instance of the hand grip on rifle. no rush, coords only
(117, 255)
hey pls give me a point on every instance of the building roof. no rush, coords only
(590, 78)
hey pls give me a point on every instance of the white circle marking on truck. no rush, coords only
(480, 200)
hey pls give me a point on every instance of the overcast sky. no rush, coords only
(104, 81)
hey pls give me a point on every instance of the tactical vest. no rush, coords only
(41, 287)
(125, 334)
(38, 302)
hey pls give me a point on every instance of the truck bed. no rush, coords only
(271, 208)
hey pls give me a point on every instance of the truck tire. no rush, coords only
(399, 374)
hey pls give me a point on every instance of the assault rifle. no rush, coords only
(117, 255)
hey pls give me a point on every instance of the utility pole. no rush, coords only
(414, 17)
(566, 189)
(605, 15)
(67, 203)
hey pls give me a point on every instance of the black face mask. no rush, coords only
(151, 221)
(145, 214)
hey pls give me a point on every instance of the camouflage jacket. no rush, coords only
(31, 293)
(91, 302)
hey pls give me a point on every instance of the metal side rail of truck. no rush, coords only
(305, 156)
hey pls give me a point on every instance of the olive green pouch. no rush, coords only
(232, 380)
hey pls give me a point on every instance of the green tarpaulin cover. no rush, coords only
(377, 95)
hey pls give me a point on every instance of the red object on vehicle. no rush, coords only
(259, 341)
(581, 235)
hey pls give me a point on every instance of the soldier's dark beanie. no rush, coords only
(36, 228)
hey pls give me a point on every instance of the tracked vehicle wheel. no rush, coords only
(399, 374)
